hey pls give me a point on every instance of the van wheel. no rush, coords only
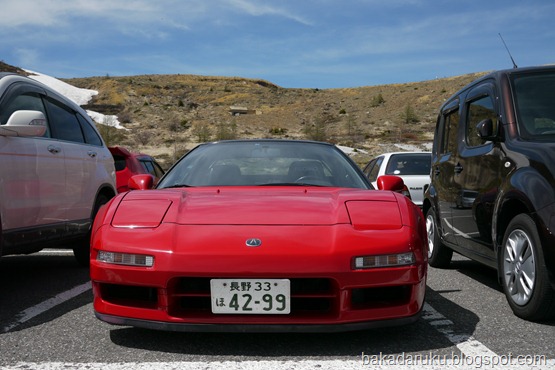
(524, 275)
(82, 250)
(438, 254)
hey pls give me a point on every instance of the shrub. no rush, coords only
(408, 115)
(377, 100)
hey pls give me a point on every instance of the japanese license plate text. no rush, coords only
(250, 296)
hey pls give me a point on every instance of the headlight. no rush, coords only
(128, 259)
(388, 260)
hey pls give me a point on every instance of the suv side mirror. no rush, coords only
(487, 129)
(24, 123)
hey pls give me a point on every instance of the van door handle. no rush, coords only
(54, 149)
(91, 153)
(458, 168)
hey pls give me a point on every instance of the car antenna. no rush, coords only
(512, 60)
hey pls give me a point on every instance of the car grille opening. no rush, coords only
(190, 297)
(129, 295)
(366, 298)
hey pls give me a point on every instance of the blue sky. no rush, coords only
(292, 43)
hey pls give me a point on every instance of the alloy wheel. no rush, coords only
(519, 267)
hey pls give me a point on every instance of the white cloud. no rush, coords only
(257, 8)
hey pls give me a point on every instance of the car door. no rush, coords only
(444, 159)
(477, 176)
(80, 159)
(32, 171)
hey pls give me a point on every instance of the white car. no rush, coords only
(412, 167)
(55, 170)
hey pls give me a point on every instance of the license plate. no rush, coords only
(250, 296)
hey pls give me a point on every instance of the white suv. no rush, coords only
(55, 170)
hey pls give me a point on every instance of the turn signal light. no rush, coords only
(390, 260)
(140, 260)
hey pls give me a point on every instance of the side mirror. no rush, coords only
(487, 130)
(24, 123)
(393, 183)
(141, 182)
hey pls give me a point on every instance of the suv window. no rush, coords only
(65, 125)
(478, 110)
(152, 167)
(119, 162)
(27, 101)
(91, 137)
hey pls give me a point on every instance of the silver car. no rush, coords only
(55, 170)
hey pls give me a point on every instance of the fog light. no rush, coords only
(389, 260)
(141, 260)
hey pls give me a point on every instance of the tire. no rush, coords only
(82, 251)
(438, 254)
(524, 276)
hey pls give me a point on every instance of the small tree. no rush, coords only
(377, 100)
(317, 131)
(226, 131)
(202, 132)
(409, 116)
(142, 137)
(353, 132)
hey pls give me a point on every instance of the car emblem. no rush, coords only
(253, 242)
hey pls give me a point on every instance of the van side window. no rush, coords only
(451, 127)
(478, 110)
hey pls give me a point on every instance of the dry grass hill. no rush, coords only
(166, 115)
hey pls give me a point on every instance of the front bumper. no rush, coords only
(257, 328)
(326, 293)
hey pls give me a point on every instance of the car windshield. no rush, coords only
(265, 163)
(409, 164)
(534, 96)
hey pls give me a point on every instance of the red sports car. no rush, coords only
(260, 236)
(128, 164)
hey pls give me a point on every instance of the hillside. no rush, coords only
(166, 115)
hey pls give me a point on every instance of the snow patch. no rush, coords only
(351, 151)
(77, 95)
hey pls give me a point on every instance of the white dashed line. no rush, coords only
(464, 342)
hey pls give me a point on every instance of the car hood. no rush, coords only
(257, 206)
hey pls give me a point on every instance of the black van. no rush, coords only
(492, 191)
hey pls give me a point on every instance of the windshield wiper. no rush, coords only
(288, 184)
(177, 186)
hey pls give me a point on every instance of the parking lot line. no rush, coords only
(44, 306)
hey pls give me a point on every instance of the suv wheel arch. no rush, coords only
(81, 251)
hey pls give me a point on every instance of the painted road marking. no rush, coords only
(474, 354)
(44, 306)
